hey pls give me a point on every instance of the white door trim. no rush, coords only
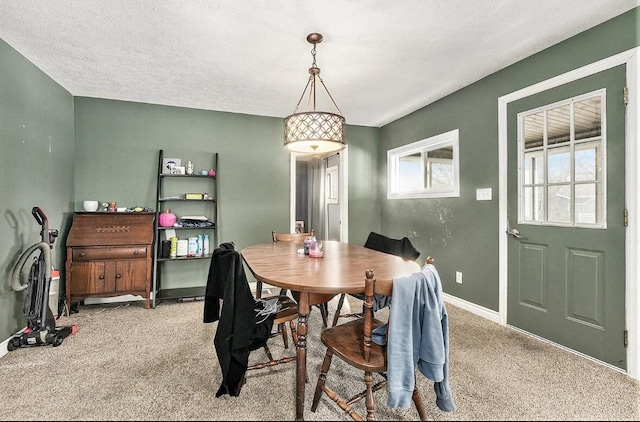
(632, 182)
(343, 176)
(292, 193)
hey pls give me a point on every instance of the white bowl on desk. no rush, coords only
(90, 206)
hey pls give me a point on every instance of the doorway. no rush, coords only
(319, 195)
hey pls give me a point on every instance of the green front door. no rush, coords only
(566, 247)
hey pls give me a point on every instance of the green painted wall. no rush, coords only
(117, 158)
(462, 233)
(364, 182)
(117, 145)
(37, 149)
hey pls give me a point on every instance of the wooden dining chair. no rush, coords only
(299, 239)
(398, 247)
(291, 237)
(352, 342)
(287, 316)
(244, 323)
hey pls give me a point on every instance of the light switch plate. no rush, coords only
(483, 194)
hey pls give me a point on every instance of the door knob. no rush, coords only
(514, 232)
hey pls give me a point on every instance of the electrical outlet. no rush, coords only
(458, 277)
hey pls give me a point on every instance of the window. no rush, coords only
(561, 163)
(331, 186)
(425, 169)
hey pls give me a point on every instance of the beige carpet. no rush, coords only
(130, 363)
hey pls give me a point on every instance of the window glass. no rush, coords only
(561, 161)
(559, 203)
(410, 173)
(587, 162)
(424, 169)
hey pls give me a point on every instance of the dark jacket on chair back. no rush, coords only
(237, 333)
(398, 247)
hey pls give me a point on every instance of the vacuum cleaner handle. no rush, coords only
(47, 235)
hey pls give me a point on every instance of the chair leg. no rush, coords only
(258, 289)
(338, 310)
(322, 379)
(338, 315)
(324, 311)
(294, 333)
(417, 400)
(285, 338)
(369, 403)
(268, 352)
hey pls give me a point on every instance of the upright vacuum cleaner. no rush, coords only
(41, 325)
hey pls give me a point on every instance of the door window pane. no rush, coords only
(558, 125)
(534, 203)
(560, 204)
(534, 168)
(586, 203)
(562, 153)
(588, 118)
(559, 165)
(588, 163)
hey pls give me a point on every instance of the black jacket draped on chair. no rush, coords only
(237, 333)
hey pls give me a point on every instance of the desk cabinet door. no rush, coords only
(93, 277)
(131, 275)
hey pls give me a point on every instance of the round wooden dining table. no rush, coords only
(341, 270)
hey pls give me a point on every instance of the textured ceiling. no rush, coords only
(380, 59)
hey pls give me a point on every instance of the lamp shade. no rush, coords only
(314, 132)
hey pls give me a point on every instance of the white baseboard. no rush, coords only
(473, 308)
(3, 347)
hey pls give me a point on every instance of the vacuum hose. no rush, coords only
(17, 269)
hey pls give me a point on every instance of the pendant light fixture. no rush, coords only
(314, 132)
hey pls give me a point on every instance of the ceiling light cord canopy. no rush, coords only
(314, 132)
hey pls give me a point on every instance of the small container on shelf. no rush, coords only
(200, 245)
(173, 251)
(193, 247)
(205, 245)
(183, 247)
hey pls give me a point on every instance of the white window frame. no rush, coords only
(421, 147)
(572, 145)
(332, 185)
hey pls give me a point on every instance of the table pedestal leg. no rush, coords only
(301, 354)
